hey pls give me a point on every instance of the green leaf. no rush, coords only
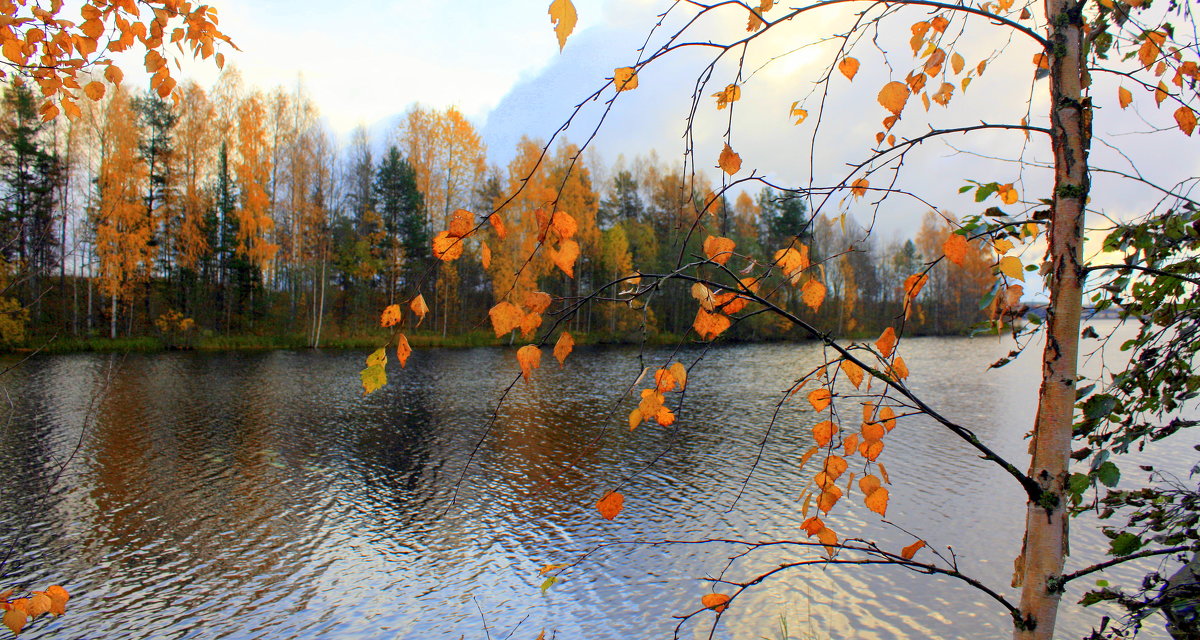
(1109, 474)
(1078, 483)
(1102, 583)
(1125, 544)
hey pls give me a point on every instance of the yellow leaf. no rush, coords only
(729, 161)
(886, 342)
(610, 505)
(859, 188)
(955, 248)
(565, 256)
(373, 377)
(715, 601)
(506, 317)
(728, 95)
(635, 418)
(957, 63)
(563, 16)
(1011, 266)
(680, 373)
(1186, 119)
(625, 78)
(529, 358)
(848, 67)
(703, 296)
(799, 114)
(403, 350)
(893, 96)
(813, 294)
(1124, 97)
(911, 550)
(820, 398)
(391, 315)
(563, 347)
(1008, 195)
(419, 307)
(718, 249)
(853, 371)
(1003, 245)
(377, 358)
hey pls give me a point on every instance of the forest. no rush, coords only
(234, 211)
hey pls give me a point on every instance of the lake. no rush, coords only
(260, 495)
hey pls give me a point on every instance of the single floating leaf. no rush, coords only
(715, 601)
(563, 348)
(563, 16)
(610, 505)
(625, 78)
(729, 161)
(529, 358)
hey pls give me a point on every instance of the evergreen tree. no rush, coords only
(31, 175)
(623, 202)
(401, 209)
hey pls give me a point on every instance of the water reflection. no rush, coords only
(260, 496)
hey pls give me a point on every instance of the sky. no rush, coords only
(366, 62)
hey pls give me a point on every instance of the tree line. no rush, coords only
(233, 210)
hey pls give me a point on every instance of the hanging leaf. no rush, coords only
(375, 375)
(955, 248)
(390, 316)
(564, 225)
(859, 188)
(792, 260)
(853, 371)
(563, 348)
(718, 249)
(461, 223)
(529, 358)
(813, 294)
(911, 550)
(710, 325)
(848, 67)
(800, 115)
(729, 161)
(886, 342)
(1124, 97)
(898, 369)
(679, 372)
(563, 16)
(1186, 119)
(403, 350)
(715, 601)
(913, 285)
(893, 96)
(565, 256)
(820, 398)
(625, 78)
(498, 225)
(702, 295)
(1002, 246)
(485, 255)
(728, 95)
(877, 501)
(1011, 266)
(610, 505)
(15, 619)
(58, 599)
(536, 301)
(823, 433)
(447, 247)
(957, 63)
(506, 317)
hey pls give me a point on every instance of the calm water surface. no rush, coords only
(261, 496)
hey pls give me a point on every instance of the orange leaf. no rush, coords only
(537, 301)
(792, 260)
(1160, 94)
(1041, 61)
(812, 525)
(829, 497)
(898, 368)
(893, 96)
(94, 90)
(870, 449)
(851, 444)
(710, 325)
(635, 418)
(867, 484)
(807, 456)
(391, 315)
(485, 255)
(419, 307)
(1186, 119)
(911, 550)
(939, 24)
(859, 188)
(883, 472)
(853, 371)
(813, 294)
(39, 603)
(564, 225)
(913, 285)
(828, 538)
(1124, 97)
(403, 350)
(728, 95)
(565, 256)
(58, 599)
(529, 358)
(823, 433)
(664, 380)
(877, 501)
(715, 601)
(563, 16)
(820, 398)
(848, 67)
(835, 466)
(563, 347)
(461, 224)
(886, 342)
(625, 78)
(718, 249)
(447, 247)
(887, 417)
(729, 303)
(498, 225)
(610, 505)
(955, 248)
(873, 431)
(729, 161)
(957, 63)
(15, 619)
(506, 317)
(114, 74)
(530, 323)
(664, 417)
(680, 373)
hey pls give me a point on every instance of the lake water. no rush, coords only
(261, 496)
